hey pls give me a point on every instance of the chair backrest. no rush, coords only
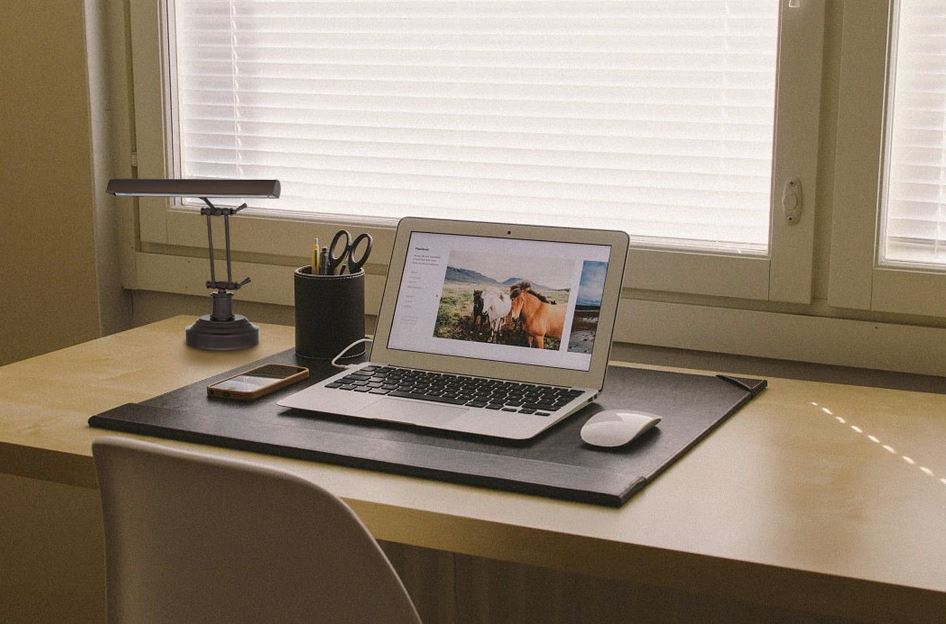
(195, 538)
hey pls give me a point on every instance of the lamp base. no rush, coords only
(213, 335)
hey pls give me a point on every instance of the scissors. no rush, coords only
(349, 249)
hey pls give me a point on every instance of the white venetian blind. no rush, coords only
(914, 199)
(652, 116)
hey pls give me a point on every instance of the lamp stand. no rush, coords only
(221, 330)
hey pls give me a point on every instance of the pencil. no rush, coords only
(315, 257)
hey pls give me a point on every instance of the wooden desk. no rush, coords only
(816, 498)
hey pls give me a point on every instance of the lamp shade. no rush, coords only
(193, 188)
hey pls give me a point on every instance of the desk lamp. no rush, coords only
(220, 330)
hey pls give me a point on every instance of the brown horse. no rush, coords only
(539, 318)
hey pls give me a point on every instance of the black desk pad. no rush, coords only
(555, 464)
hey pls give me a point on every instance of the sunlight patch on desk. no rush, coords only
(909, 460)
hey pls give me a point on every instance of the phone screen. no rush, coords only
(256, 378)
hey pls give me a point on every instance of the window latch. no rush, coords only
(791, 200)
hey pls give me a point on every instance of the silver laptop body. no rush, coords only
(526, 311)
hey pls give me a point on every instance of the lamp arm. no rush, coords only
(210, 237)
(213, 211)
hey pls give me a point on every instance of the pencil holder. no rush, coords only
(330, 313)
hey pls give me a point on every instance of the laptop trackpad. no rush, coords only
(414, 412)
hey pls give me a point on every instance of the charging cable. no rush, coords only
(345, 350)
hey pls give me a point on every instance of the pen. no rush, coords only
(324, 264)
(315, 257)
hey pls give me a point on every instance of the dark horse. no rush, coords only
(478, 315)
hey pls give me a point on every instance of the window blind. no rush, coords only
(913, 224)
(651, 116)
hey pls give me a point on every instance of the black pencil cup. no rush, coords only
(330, 314)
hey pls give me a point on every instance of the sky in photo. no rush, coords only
(592, 282)
(552, 272)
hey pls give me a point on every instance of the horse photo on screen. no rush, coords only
(479, 292)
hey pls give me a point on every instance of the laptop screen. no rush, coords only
(501, 299)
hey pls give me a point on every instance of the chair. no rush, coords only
(196, 538)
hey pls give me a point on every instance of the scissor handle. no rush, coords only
(335, 258)
(357, 260)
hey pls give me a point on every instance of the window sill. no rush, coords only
(775, 335)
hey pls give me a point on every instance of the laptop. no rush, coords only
(492, 329)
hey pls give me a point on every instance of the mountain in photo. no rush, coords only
(512, 281)
(468, 276)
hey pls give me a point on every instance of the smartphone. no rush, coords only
(258, 382)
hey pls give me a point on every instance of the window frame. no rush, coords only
(785, 275)
(857, 279)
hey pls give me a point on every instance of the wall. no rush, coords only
(49, 290)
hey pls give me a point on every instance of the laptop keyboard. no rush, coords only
(493, 394)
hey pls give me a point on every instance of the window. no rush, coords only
(887, 228)
(651, 116)
(914, 193)
(663, 118)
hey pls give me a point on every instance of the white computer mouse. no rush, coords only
(616, 427)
